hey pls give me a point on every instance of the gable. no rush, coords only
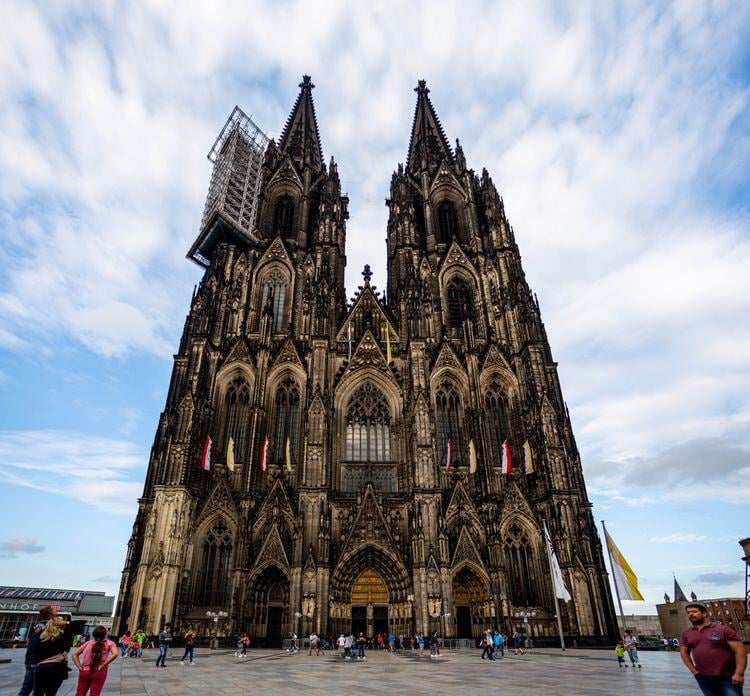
(220, 501)
(466, 551)
(369, 526)
(445, 178)
(288, 354)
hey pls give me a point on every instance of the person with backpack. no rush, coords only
(50, 651)
(92, 660)
(45, 614)
(189, 647)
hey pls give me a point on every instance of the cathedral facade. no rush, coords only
(365, 489)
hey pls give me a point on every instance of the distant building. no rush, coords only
(729, 611)
(643, 625)
(19, 607)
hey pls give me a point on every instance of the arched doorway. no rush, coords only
(370, 582)
(369, 604)
(469, 600)
(269, 619)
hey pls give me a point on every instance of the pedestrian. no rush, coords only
(361, 642)
(380, 641)
(92, 660)
(45, 614)
(189, 647)
(400, 641)
(529, 643)
(713, 653)
(487, 645)
(140, 642)
(497, 639)
(342, 645)
(391, 642)
(50, 655)
(432, 640)
(125, 643)
(165, 638)
(348, 647)
(620, 652)
(631, 648)
(517, 649)
(420, 643)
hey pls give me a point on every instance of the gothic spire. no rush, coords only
(428, 144)
(300, 137)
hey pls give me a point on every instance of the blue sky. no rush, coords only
(617, 136)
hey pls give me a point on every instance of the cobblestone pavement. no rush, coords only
(541, 672)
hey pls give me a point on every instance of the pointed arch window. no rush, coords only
(286, 422)
(368, 426)
(459, 306)
(274, 298)
(213, 589)
(283, 216)
(447, 219)
(496, 417)
(449, 422)
(522, 568)
(237, 417)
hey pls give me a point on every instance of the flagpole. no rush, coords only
(547, 540)
(612, 570)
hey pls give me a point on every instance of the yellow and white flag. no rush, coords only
(389, 357)
(472, 457)
(288, 454)
(230, 454)
(627, 582)
(527, 460)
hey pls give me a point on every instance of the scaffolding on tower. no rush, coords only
(233, 192)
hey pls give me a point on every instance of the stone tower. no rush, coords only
(370, 513)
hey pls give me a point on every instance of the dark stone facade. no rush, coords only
(365, 526)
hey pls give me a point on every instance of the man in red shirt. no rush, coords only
(713, 653)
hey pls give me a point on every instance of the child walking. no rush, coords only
(92, 660)
(620, 652)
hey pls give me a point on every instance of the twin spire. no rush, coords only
(427, 142)
(301, 137)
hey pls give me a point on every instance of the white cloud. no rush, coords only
(686, 472)
(676, 538)
(606, 131)
(104, 473)
(12, 547)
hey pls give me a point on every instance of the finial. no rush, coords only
(367, 274)
(421, 87)
(306, 83)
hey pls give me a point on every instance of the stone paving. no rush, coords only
(541, 672)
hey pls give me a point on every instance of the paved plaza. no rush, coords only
(579, 672)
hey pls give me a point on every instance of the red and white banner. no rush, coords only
(448, 455)
(206, 457)
(506, 463)
(264, 453)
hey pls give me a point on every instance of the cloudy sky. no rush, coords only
(618, 137)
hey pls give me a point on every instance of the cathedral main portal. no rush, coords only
(370, 604)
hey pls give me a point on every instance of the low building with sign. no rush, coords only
(19, 607)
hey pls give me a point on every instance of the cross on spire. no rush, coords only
(367, 275)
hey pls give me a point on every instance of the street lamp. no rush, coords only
(216, 615)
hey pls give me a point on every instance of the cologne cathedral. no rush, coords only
(327, 464)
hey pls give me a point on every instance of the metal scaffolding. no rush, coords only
(232, 201)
